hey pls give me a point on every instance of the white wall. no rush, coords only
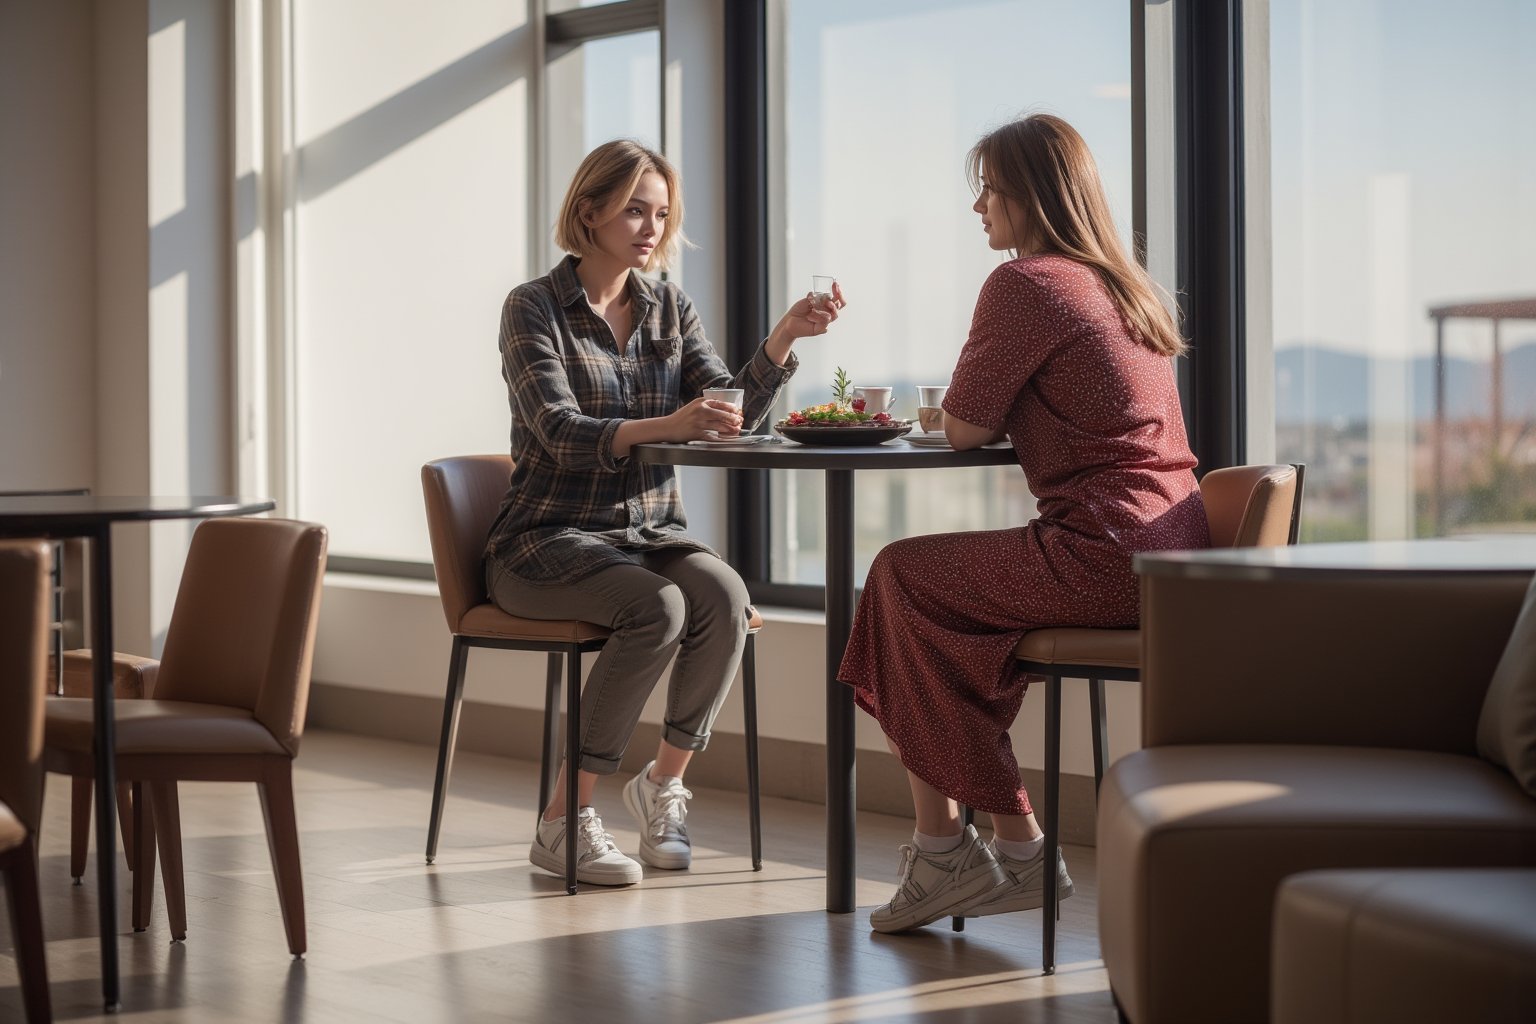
(47, 247)
(114, 192)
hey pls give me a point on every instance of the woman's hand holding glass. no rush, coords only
(704, 419)
(813, 314)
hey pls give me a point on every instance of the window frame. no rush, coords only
(1188, 140)
(556, 34)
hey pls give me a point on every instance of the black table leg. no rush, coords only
(840, 708)
(106, 761)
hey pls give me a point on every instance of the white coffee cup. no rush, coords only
(876, 399)
(733, 396)
(931, 395)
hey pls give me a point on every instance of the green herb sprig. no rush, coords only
(840, 387)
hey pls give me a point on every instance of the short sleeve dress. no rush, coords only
(1093, 415)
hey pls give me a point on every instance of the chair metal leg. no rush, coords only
(452, 701)
(967, 816)
(1052, 822)
(57, 578)
(572, 759)
(749, 711)
(548, 763)
(19, 866)
(1100, 745)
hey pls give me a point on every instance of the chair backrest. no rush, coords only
(1252, 506)
(242, 632)
(25, 617)
(463, 495)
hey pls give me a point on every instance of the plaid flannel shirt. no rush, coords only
(573, 507)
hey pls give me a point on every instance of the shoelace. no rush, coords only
(594, 841)
(670, 811)
(904, 868)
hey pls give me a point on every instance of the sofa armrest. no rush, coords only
(1351, 661)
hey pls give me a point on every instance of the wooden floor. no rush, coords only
(482, 935)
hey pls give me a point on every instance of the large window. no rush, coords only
(411, 130)
(880, 103)
(417, 164)
(1403, 165)
(603, 89)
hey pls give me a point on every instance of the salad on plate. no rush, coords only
(843, 411)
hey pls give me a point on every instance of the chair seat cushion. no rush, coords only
(1194, 841)
(12, 832)
(133, 677)
(1405, 945)
(1115, 648)
(486, 620)
(160, 727)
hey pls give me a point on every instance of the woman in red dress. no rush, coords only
(1069, 357)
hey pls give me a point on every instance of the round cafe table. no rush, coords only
(839, 464)
(60, 516)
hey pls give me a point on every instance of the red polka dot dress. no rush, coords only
(1094, 418)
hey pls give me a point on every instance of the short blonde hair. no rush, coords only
(604, 182)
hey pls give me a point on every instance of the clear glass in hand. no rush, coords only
(821, 289)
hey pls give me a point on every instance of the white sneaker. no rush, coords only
(933, 885)
(598, 860)
(660, 811)
(1024, 888)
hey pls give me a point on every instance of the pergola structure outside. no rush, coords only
(1497, 311)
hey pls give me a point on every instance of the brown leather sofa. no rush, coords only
(1406, 946)
(1291, 726)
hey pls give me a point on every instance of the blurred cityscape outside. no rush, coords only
(1323, 418)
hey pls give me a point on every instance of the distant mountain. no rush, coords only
(1321, 384)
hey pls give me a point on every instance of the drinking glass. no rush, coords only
(821, 289)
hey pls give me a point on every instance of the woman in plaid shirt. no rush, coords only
(598, 359)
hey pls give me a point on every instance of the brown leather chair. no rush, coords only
(24, 627)
(1293, 724)
(228, 706)
(463, 495)
(71, 676)
(1410, 946)
(1246, 506)
(133, 678)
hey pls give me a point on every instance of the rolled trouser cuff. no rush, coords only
(598, 765)
(682, 739)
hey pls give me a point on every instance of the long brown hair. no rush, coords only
(1042, 166)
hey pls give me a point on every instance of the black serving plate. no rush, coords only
(846, 436)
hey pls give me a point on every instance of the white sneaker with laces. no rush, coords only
(933, 885)
(598, 859)
(660, 810)
(1024, 888)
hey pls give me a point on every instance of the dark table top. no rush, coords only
(1512, 553)
(895, 454)
(46, 514)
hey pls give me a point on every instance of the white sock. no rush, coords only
(661, 780)
(936, 844)
(1013, 849)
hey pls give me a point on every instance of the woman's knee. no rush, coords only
(714, 586)
(661, 616)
